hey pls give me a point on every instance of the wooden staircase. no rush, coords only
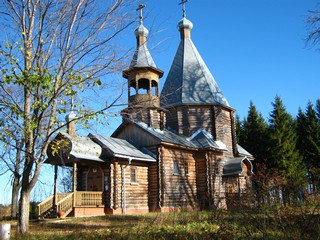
(67, 202)
(64, 205)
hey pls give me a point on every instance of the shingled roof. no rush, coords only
(189, 80)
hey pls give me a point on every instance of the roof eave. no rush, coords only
(128, 71)
(195, 104)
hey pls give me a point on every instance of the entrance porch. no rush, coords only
(75, 204)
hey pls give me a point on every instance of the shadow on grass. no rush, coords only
(255, 223)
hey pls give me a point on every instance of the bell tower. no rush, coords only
(143, 83)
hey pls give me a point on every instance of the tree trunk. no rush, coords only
(24, 207)
(14, 200)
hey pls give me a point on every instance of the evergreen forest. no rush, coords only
(286, 152)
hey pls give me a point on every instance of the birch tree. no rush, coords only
(49, 52)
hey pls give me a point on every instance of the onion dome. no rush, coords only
(184, 23)
(141, 31)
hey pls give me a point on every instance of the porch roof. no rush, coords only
(116, 147)
(234, 166)
(64, 149)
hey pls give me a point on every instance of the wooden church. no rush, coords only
(173, 151)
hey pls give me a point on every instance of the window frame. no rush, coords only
(186, 168)
(176, 170)
(133, 175)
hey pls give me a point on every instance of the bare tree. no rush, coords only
(50, 51)
(313, 22)
(11, 159)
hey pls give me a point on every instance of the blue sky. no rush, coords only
(255, 50)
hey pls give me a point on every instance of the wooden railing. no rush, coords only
(65, 202)
(65, 205)
(89, 198)
(47, 204)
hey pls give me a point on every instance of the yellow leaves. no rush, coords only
(61, 146)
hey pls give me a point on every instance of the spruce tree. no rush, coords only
(253, 136)
(284, 152)
(308, 143)
(318, 110)
(238, 124)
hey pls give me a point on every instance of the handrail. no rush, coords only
(65, 204)
(45, 205)
(84, 198)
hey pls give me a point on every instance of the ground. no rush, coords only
(257, 223)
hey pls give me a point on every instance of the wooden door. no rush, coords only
(95, 179)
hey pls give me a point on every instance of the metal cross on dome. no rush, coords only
(141, 6)
(183, 7)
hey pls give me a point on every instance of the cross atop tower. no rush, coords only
(183, 7)
(141, 6)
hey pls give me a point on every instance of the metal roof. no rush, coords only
(166, 135)
(120, 148)
(234, 166)
(85, 148)
(142, 56)
(242, 151)
(202, 139)
(79, 147)
(189, 80)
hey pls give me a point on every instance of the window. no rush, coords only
(133, 176)
(176, 167)
(186, 168)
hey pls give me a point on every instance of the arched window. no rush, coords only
(154, 89)
(144, 87)
(132, 88)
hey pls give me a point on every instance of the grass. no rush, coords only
(258, 223)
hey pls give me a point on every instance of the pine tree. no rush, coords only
(284, 152)
(238, 128)
(308, 143)
(318, 110)
(254, 135)
(254, 138)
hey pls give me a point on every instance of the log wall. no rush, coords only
(179, 190)
(225, 129)
(215, 119)
(127, 195)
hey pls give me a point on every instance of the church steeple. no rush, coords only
(184, 24)
(191, 95)
(143, 82)
(189, 80)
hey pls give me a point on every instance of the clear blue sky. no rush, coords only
(255, 49)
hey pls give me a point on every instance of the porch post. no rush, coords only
(74, 183)
(55, 186)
